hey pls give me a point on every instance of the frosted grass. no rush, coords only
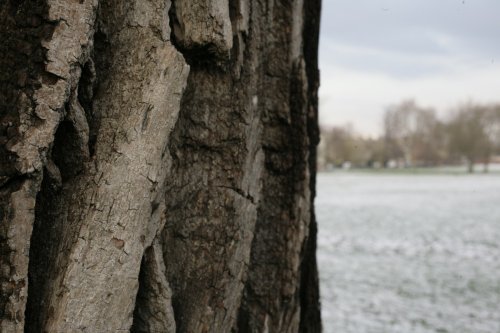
(409, 253)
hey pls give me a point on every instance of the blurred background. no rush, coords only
(409, 163)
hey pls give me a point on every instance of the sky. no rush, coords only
(376, 53)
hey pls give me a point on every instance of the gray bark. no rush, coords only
(157, 166)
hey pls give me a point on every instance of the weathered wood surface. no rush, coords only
(157, 166)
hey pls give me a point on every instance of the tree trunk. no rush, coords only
(470, 165)
(157, 166)
(486, 164)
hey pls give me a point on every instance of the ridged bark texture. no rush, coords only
(157, 166)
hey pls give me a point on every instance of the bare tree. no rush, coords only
(157, 166)
(490, 117)
(394, 126)
(341, 145)
(414, 134)
(468, 136)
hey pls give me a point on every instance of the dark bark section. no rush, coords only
(210, 151)
(22, 28)
(275, 294)
(211, 194)
(310, 316)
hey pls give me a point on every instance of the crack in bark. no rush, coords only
(239, 192)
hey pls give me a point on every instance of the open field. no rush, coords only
(402, 253)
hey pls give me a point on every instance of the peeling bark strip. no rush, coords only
(140, 193)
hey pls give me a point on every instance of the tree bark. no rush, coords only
(157, 166)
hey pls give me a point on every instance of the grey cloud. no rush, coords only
(410, 27)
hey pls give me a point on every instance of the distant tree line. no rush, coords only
(413, 136)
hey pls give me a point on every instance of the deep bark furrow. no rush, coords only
(310, 316)
(153, 309)
(17, 214)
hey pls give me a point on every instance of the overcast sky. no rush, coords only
(374, 53)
